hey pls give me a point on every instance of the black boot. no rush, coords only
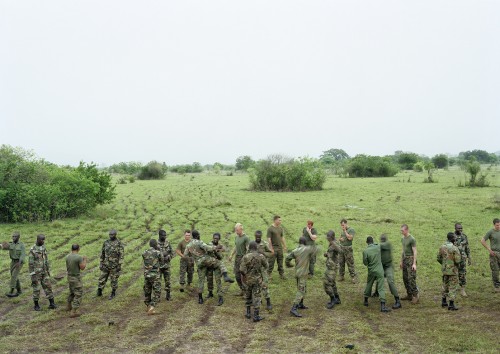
(37, 307)
(112, 295)
(226, 278)
(444, 303)
(294, 311)
(12, 294)
(383, 308)
(248, 314)
(52, 305)
(366, 301)
(269, 307)
(375, 294)
(221, 301)
(99, 292)
(256, 316)
(19, 291)
(452, 306)
(302, 306)
(397, 304)
(330, 304)
(200, 298)
(167, 296)
(337, 299)
(210, 294)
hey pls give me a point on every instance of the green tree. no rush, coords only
(331, 155)
(406, 160)
(153, 170)
(440, 161)
(243, 163)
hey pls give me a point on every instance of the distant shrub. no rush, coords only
(126, 168)
(418, 167)
(440, 161)
(122, 180)
(131, 179)
(371, 166)
(496, 201)
(153, 170)
(472, 169)
(406, 160)
(243, 163)
(195, 167)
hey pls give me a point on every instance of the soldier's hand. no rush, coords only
(5, 245)
(325, 254)
(469, 262)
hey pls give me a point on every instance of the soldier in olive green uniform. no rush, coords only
(494, 237)
(112, 255)
(216, 253)
(409, 265)
(40, 272)
(462, 244)
(346, 256)
(449, 257)
(167, 253)
(373, 260)
(186, 264)
(241, 242)
(253, 267)
(74, 264)
(310, 233)
(302, 256)
(264, 249)
(17, 256)
(386, 255)
(332, 266)
(153, 258)
(277, 244)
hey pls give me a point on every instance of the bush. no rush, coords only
(153, 170)
(279, 173)
(371, 166)
(406, 160)
(243, 163)
(472, 168)
(440, 161)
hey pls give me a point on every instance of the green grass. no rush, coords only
(214, 203)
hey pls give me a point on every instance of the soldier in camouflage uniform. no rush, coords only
(186, 264)
(17, 256)
(346, 256)
(216, 253)
(253, 266)
(153, 258)
(111, 263)
(199, 251)
(332, 266)
(167, 253)
(40, 272)
(462, 244)
(74, 264)
(302, 256)
(449, 257)
(409, 265)
(264, 249)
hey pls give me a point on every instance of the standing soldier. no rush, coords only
(110, 264)
(17, 255)
(409, 265)
(216, 253)
(40, 272)
(74, 264)
(346, 256)
(252, 268)
(264, 249)
(186, 263)
(241, 242)
(311, 235)
(277, 244)
(167, 253)
(302, 256)
(494, 236)
(332, 265)
(386, 255)
(373, 261)
(449, 257)
(153, 259)
(462, 244)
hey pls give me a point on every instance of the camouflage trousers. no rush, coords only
(41, 280)
(409, 276)
(265, 286)
(450, 286)
(210, 282)
(312, 263)
(278, 257)
(495, 268)
(329, 282)
(375, 277)
(252, 294)
(301, 289)
(15, 268)
(75, 291)
(237, 273)
(186, 266)
(113, 276)
(346, 257)
(462, 273)
(152, 289)
(165, 274)
(203, 273)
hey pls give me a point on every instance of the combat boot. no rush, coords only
(182, 288)
(407, 297)
(221, 301)
(341, 278)
(12, 294)
(383, 308)
(68, 306)
(444, 303)
(365, 303)
(294, 311)
(112, 295)
(354, 280)
(210, 294)
(37, 306)
(167, 296)
(397, 304)
(269, 307)
(330, 304)
(248, 314)
(151, 311)
(226, 278)
(99, 292)
(452, 306)
(19, 291)
(200, 298)
(337, 299)
(75, 313)
(302, 306)
(375, 294)
(462, 292)
(414, 301)
(283, 276)
(52, 304)
(256, 316)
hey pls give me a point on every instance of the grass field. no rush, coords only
(212, 203)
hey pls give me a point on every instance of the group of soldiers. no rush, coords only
(253, 266)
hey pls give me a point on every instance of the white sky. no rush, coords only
(183, 81)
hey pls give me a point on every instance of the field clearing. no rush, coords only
(214, 203)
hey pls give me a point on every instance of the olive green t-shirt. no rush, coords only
(494, 237)
(408, 243)
(275, 234)
(309, 240)
(241, 243)
(73, 261)
(347, 242)
(182, 246)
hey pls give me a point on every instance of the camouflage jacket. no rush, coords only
(198, 250)
(449, 257)
(152, 259)
(462, 244)
(112, 253)
(16, 251)
(264, 249)
(38, 261)
(302, 256)
(332, 255)
(253, 266)
(167, 253)
(216, 253)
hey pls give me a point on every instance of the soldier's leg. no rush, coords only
(103, 278)
(444, 287)
(15, 267)
(248, 295)
(35, 284)
(113, 278)
(237, 274)
(71, 295)
(190, 271)
(412, 277)
(349, 258)
(301, 290)
(210, 280)
(462, 272)
(47, 286)
(217, 274)
(312, 262)
(156, 290)
(182, 272)
(148, 288)
(342, 263)
(495, 267)
(453, 286)
(406, 276)
(77, 290)
(389, 275)
(380, 287)
(202, 274)
(328, 282)
(279, 258)
(166, 274)
(256, 299)
(270, 262)
(369, 284)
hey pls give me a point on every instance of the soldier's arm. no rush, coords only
(122, 254)
(458, 256)
(438, 257)
(170, 251)
(267, 251)
(31, 262)
(467, 249)
(23, 254)
(288, 259)
(83, 263)
(103, 252)
(233, 252)
(349, 236)
(179, 253)
(4, 245)
(414, 265)
(365, 258)
(283, 242)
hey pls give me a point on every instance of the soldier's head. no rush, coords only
(343, 224)
(75, 248)
(458, 228)
(15, 237)
(40, 239)
(187, 235)
(112, 234)
(369, 240)
(258, 236)
(277, 220)
(310, 223)
(238, 228)
(330, 235)
(383, 238)
(496, 224)
(216, 238)
(404, 230)
(162, 235)
(153, 243)
(451, 236)
(252, 246)
(195, 234)
(302, 240)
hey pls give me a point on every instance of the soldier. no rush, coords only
(494, 236)
(373, 260)
(168, 253)
(311, 235)
(264, 249)
(252, 268)
(449, 257)
(346, 256)
(216, 253)
(241, 242)
(302, 256)
(17, 255)
(153, 259)
(386, 256)
(110, 264)
(186, 264)
(462, 244)
(74, 264)
(40, 272)
(199, 251)
(332, 265)
(277, 244)
(409, 265)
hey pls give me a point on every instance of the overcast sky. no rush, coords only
(208, 81)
